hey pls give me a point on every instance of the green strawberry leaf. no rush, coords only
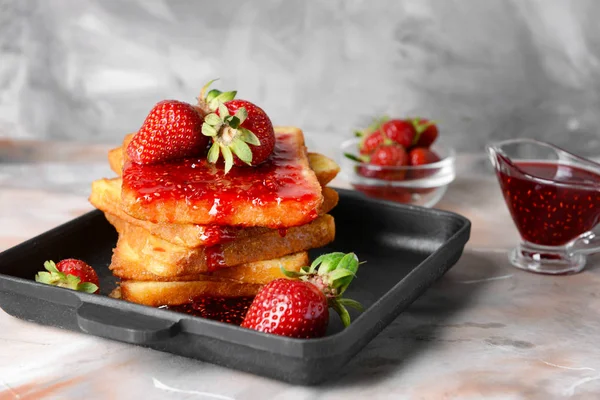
(210, 96)
(233, 121)
(241, 114)
(241, 150)
(223, 111)
(247, 136)
(326, 262)
(228, 157)
(290, 274)
(225, 97)
(353, 157)
(50, 266)
(214, 120)
(348, 263)
(351, 303)
(44, 277)
(341, 310)
(208, 130)
(87, 287)
(213, 154)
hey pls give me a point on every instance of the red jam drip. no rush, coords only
(551, 214)
(215, 259)
(279, 179)
(218, 234)
(282, 232)
(229, 310)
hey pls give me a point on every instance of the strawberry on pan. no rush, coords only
(70, 273)
(239, 129)
(299, 307)
(172, 130)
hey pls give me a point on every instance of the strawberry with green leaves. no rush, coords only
(427, 133)
(240, 130)
(299, 307)
(372, 137)
(70, 273)
(172, 130)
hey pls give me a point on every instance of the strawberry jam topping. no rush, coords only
(217, 234)
(230, 310)
(279, 179)
(214, 258)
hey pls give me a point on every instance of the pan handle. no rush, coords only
(123, 325)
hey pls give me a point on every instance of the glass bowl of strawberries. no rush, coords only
(399, 160)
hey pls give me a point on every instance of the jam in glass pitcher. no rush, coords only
(554, 199)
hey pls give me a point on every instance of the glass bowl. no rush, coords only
(422, 185)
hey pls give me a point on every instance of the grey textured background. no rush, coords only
(91, 69)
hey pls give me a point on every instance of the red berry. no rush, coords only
(384, 162)
(428, 135)
(172, 130)
(70, 273)
(240, 130)
(371, 142)
(300, 307)
(290, 308)
(422, 156)
(258, 123)
(390, 155)
(399, 131)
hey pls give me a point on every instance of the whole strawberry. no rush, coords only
(172, 130)
(389, 155)
(371, 142)
(70, 273)
(422, 156)
(371, 137)
(427, 132)
(239, 129)
(299, 307)
(399, 131)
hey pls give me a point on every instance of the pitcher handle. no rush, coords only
(587, 243)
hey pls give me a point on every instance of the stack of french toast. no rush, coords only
(187, 230)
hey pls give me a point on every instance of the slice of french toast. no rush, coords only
(324, 167)
(241, 281)
(157, 294)
(140, 253)
(281, 192)
(106, 196)
(259, 272)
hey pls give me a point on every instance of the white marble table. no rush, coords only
(485, 330)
